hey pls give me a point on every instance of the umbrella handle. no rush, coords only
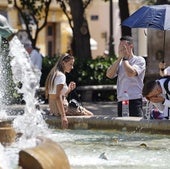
(145, 32)
(163, 61)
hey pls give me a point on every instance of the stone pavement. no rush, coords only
(102, 108)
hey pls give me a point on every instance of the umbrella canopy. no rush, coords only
(154, 16)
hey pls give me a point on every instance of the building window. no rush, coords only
(94, 17)
(50, 30)
(50, 39)
(50, 48)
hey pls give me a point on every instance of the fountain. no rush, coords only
(34, 151)
(85, 149)
(47, 155)
(7, 133)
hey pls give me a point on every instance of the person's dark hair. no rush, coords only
(127, 38)
(148, 87)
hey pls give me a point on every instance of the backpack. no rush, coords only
(167, 89)
(74, 103)
(166, 85)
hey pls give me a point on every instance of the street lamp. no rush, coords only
(111, 40)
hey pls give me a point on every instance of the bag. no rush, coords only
(155, 114)
(74, 103)
(166, 84)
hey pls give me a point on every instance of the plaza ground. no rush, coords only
(105, 117)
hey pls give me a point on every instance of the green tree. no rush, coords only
(80, 44)
(81, 36)
(34, 13)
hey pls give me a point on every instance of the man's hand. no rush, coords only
(124, 51)
(162, 65)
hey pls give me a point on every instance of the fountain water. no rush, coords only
(31, 124)
(24, 73)
(109, 149)
(86, 149)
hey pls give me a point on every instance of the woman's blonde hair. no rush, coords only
(49, 83)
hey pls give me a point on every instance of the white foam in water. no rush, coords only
(4, 159)
(3, 114)
(122, 150)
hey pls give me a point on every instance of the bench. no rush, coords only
(88, 93)
(94, 92)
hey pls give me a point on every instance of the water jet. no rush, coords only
(30, 124)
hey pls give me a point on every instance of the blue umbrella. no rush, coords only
(154, 16)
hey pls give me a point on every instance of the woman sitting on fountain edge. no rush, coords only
(56, 90)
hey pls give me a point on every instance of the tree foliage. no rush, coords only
(34, 14)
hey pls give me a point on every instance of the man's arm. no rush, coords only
(162, 66)
(130, 71)
(112, 70)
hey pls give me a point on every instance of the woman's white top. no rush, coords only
(59, 79)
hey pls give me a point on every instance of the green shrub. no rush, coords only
(88, 72)
(47, 64)
(91, 72)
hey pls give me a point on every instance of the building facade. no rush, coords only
(53, 38)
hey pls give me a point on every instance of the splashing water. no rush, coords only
(23, 72)
(4, 159)
(4, 73)
(31, 124)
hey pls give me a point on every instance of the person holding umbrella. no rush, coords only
(57, 90)
(130, 72)
(151, 17)
(163, 70)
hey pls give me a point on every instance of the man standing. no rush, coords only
(35, 56)
(130, 72)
